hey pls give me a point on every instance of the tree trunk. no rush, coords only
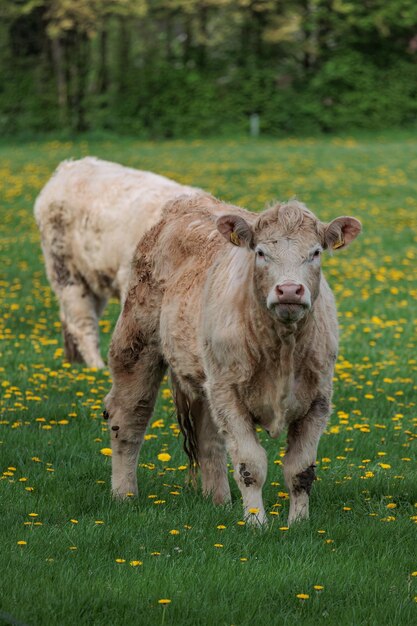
(103, 72)
(202, 50)
(124, 55)
(82, 71)
(61, 80)
(186, 50)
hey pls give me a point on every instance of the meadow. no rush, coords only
(70, 555)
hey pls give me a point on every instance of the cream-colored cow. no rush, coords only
(236, 305)
(91, 214)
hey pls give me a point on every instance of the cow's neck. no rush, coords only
(285, 342)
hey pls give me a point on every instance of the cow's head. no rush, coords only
(287, 241)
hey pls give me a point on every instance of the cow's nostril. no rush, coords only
(300, 290)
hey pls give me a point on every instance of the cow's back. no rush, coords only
(99, 210)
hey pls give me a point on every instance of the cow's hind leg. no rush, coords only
(80, 309)
(137, 369)
(72, 354)
(212, 456)
(299, 461)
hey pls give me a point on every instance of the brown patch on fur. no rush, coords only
(320, 405)
(61, 271)
(304, 480)
(125, 359)
(185, 421)
(246, 475)
(105, 282)
(145, 285)
(311, 377)
(70, 346)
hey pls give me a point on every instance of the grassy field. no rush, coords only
(69, 555)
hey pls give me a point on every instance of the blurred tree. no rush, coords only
(181, 66)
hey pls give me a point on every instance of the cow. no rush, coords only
(235, 304)
(91, 214)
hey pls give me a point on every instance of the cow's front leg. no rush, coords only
(248, 456)
(299, 460)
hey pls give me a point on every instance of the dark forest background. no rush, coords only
(170, 68)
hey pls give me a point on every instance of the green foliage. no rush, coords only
(177, 68)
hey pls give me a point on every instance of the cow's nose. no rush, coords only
(290, 293)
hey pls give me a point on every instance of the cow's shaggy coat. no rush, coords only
(236, 306)
(91, 214)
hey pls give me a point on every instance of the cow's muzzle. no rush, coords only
(289, 302)
(290, 313)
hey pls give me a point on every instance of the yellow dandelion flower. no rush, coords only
(318, 587)
(120, 560)
(164, 457)
(106, 451)
(22, 543)
(174, 532)
(135, 563)
(164, 601)
(218, 545)
(302, 596)
(284, 528)
(254, 511)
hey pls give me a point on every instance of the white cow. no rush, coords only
(91, 214)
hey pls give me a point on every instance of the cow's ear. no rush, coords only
(236, 230)
(341, 232)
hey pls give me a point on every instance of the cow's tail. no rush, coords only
(185, 420)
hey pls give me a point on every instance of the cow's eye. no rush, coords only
(260, 254)
(315, 255)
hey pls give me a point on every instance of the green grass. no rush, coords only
(51, 430)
